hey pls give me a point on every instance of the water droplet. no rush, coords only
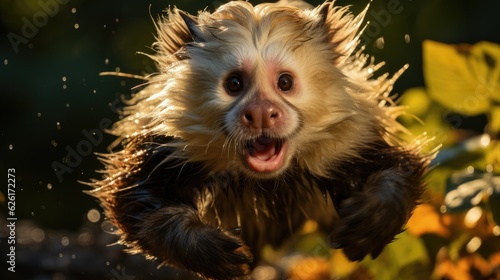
(73, 256)
(39, 114)
(380, 43)
(93, 215)
(65, 241)
(123, 83)
(470, 169)
(73, 11)
(106, 61)
(49, 186)
(58, 126)
(64, 78)
(107, 263)
(65, 86)
(117, 69)
(94, 91)
(108, 227)
(117, 20)
(407, 38)
(77, 26)
(489, 168)
(53, 143)
(11, 147)
(67, 105)
(38, 235)
(60, 255)
(6, 61)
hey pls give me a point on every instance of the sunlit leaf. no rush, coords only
(464, 78)
(404, 259)
(341, 266)
(426, 219)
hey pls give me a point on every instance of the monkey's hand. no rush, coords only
(217, 254)
(371, 218)
(178, 235)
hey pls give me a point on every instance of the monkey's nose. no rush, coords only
(259, 115)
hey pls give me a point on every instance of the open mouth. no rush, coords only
(265, 154)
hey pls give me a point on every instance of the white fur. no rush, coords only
(342, 107)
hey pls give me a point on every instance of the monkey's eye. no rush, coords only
(234, 84)
(285, 82)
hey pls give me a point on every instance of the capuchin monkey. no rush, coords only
(260, 118)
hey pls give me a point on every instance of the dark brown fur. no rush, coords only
(156, 212)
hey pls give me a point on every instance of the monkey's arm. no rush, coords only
(376, 198)
(155, 210)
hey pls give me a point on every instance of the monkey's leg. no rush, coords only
(176, 234)
(158, 216)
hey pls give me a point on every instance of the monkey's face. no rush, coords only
(261, 91)
(262, 117)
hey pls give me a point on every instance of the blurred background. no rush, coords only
(54, 108)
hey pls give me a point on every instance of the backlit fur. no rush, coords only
(179, 190)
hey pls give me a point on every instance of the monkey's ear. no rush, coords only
(342, 27)
(192, 24)
(175, 31)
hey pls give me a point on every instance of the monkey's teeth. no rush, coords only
(265, 140)
(262, 143)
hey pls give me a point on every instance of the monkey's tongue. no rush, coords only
(264, 154)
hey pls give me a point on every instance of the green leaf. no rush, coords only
(405, 258)
(464, 78)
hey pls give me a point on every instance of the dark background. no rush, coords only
(52, 97)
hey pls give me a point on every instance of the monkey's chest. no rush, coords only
(267, 216)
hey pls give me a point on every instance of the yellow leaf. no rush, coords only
(464, 78)
(485, 61)
(426, 219)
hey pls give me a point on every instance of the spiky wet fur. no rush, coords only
(178, 191)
